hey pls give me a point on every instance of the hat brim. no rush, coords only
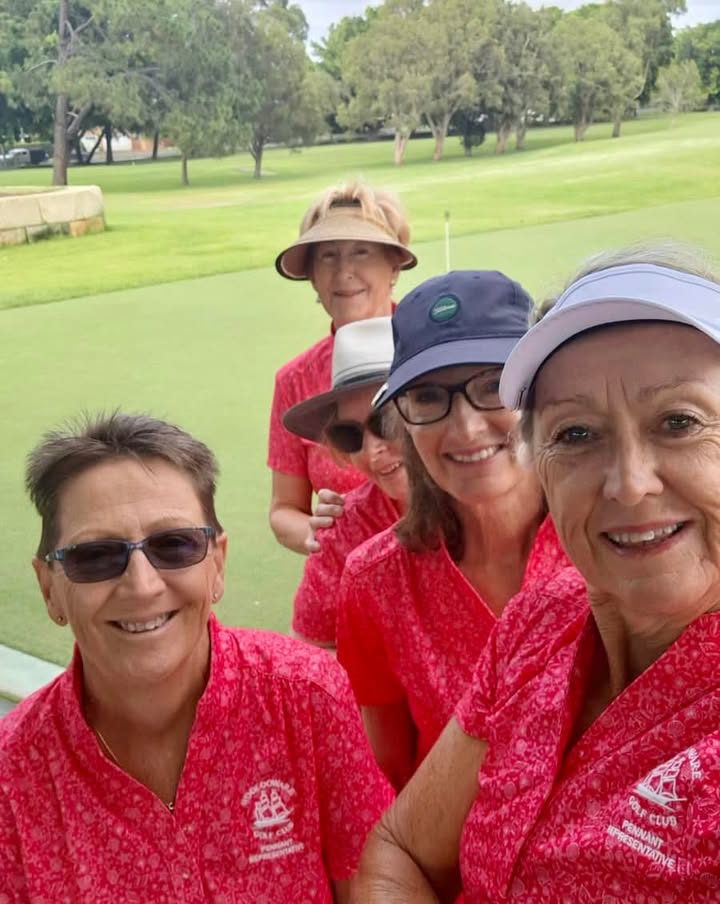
(292, 262)
(539, 343)
(309, 419)
(455, 353)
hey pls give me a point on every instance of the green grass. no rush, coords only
(226, 221)
(203, 352)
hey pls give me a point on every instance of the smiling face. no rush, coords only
(627, 444)
(470, 454)
(379, 459)
(147, 625)
(354, 280)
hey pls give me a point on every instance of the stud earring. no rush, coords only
(60, 619)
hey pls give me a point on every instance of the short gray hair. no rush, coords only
(91, 440)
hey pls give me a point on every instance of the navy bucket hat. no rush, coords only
(462, 317)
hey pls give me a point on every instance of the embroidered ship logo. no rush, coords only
(660, 786)
(270, 817)
(270, 810)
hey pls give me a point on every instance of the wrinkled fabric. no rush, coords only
(367, 512)
(411, 627)
(278, 791)
(630, 811)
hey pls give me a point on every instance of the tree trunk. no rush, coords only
(258, 155)
(520, 134)
(107, 131)
(185, 180)
(94, 148)
(156, 144)
(617, 125)
(581, 127)
(60, 142)
(61, 147)
(503, 133)
(439, 144)
(399, 147)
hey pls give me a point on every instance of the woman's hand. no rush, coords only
(330, 505)
(412, 854)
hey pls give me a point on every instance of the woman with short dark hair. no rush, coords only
(175, 759)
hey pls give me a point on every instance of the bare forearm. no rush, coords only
(389, 875)
(291, 528)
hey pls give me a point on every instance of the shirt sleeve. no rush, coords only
(361, 647)
(286, 451)
(12, 875)
(353, 793)
(518, 645)
(316, 600)
(478, 701)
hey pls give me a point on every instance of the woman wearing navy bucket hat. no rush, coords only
(418, 602)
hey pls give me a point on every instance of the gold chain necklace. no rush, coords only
(111, 753)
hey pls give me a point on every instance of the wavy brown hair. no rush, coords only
(430, 517)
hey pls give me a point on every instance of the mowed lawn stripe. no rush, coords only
(227, 222)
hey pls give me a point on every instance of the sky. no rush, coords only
(321, 13)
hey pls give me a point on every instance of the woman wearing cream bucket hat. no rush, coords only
(351, 248)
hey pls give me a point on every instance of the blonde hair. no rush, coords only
(383, 207)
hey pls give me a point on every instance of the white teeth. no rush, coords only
(391, 470)
(476, 456)
(646, 536)
(140, 627)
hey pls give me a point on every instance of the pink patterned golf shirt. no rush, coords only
(307, 375)
(367, 512)
(278, 791)
(411, 627)
(630, 812)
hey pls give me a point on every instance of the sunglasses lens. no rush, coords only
(346, 438)
(177, 548)
(100, 561)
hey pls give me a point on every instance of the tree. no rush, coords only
(471, 129)
(522, 69)
(84, 56)
(331, 49)
(199, 79)
(680, 88)
(646, 29)
(385, 74)
(702, 44)
(459, 55)
(292, 97)
(586, 53)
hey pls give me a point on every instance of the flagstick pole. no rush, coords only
(447, 241)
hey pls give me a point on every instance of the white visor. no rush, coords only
(616, 295)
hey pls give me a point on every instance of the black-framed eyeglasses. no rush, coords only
(348, 436)
(101, 560)
(426, 403)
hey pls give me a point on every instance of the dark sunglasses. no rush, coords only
(348, 436)
(101, 560)
(427, 403)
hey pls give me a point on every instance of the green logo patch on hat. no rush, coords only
(445, 308)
